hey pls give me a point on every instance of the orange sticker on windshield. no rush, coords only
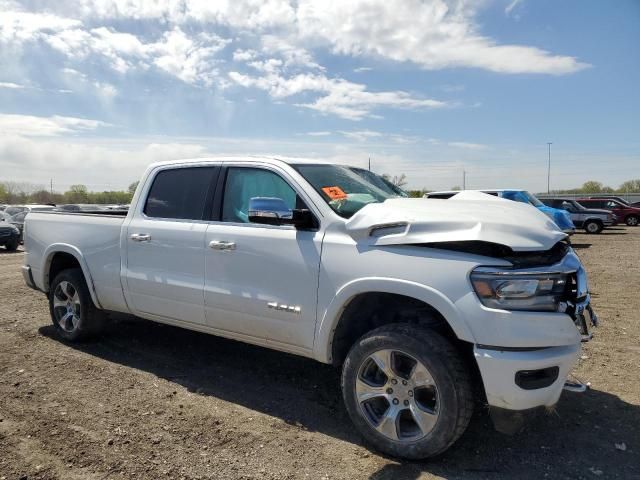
(334, 193)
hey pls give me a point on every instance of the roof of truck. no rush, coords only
(248, 158)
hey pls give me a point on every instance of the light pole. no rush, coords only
(549, 169)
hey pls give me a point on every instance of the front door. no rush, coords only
(261, 281)
(165, 245)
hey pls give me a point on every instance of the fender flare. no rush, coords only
(48, 255)
(330, 318)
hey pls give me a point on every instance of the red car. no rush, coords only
(624, 213)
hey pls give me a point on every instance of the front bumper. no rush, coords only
(499, 369)
(519, 379)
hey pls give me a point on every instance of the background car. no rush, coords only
(592, 220)
(9, 236)
(625, 213)
(619, 199)
(561, 218)
(17, 221)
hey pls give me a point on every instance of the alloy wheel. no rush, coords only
(66, 306)
(397, 395)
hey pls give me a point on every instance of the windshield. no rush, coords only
(380, 182)
(13, 210)
(521, 196)
(345, 191)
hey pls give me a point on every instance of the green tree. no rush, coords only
(77, 194)
(132, 187)
(4, 195)
(630, 186)
(591, 186)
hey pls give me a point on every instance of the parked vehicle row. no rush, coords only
(624, 212)
(416, 300)
(592, 220)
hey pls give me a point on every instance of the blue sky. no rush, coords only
(92, 91)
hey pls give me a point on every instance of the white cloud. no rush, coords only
(11, 85)
(362, 69)
(342, 98)
(361, 135)
(513, 4)
(29, 125)
(433, 35)
(191, 59)
(318, 134)
(468, 145)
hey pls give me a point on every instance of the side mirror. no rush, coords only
(274, 211)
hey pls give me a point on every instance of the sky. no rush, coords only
(93, 91)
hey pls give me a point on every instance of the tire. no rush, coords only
(73, 313)
(11, 245)
(631, 220)
(416, 410)
(593, 226)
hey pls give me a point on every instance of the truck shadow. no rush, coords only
(574, 441)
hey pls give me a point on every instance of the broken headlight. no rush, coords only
(512, 291)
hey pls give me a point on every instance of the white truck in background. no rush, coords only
(417, 300)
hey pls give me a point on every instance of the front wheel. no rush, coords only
(631, 220)
(407, 391)
(593, 227)
(73, 313)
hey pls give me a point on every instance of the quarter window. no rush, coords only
(243, 184)
(180, 193)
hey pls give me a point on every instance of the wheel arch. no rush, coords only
(435, 306)
(58, 257)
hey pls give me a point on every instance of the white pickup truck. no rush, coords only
(428, 306)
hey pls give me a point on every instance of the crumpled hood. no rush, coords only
(467, 216)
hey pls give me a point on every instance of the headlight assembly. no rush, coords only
(512, 291)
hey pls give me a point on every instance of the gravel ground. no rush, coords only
(152, 401)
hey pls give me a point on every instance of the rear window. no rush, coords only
(180, 193)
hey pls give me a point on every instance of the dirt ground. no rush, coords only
(152, 401)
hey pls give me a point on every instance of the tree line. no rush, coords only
(17, 193)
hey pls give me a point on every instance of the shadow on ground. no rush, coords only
(576, 441)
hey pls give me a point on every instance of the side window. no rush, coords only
(611, 204)
(243, 184)
(566, 206)
(180, 193)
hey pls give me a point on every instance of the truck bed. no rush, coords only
(95, 236)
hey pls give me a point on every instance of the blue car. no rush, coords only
(560, 217)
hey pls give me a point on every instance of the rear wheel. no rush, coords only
(407, 391)
(631, 220)
(73, 313)
(593, 226)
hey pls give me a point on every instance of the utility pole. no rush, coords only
(549, 169)
(464, 179)
(51, 187)
(369, 163)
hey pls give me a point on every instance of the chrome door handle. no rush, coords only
(140, 237)
(222, 245)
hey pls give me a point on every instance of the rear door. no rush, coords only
(261, 280)
(165, 244)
